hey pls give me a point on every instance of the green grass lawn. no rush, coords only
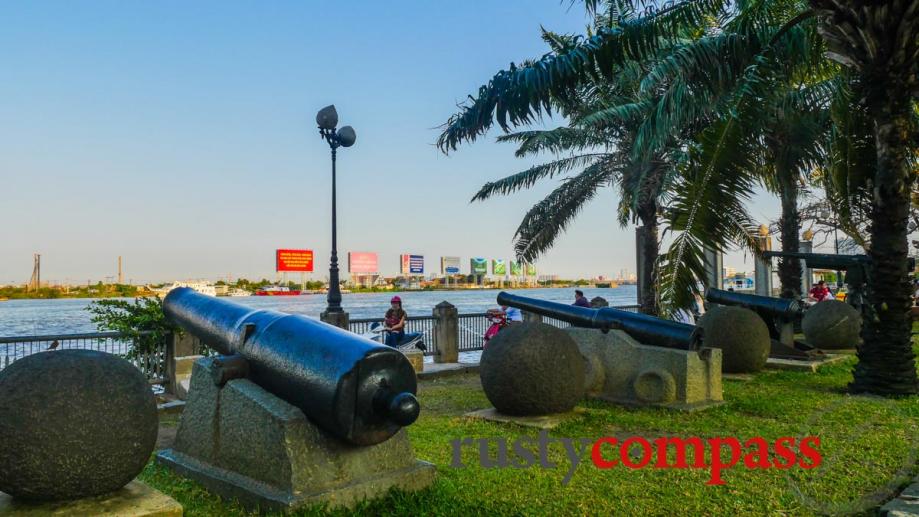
(868, 445)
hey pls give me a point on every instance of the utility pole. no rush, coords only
(35, 281)
(120, 273)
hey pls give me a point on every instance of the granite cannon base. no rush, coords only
(243, 443)
(134, 500)
(253, 494)
(547, 422)
(623, 371)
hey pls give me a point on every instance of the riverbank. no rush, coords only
(93, 291)
(68, 316)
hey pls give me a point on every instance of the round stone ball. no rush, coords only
(742, 336)
(532, 369)
(832, 325)
(75, 423)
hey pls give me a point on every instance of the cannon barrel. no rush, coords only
(350, 386)
(784, 308)
(646, 329)
(823, 260)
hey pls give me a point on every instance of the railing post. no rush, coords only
(531, 317)
(178, 344)
(446, 333)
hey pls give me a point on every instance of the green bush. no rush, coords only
(141, 319)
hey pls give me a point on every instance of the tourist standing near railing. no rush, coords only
(395, 322)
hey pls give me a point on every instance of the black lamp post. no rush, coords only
(826, 215)
(327, 119)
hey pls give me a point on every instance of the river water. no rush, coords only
(69, 316)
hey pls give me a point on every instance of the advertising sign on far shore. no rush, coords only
(412, 264)
(363, 262)
(294, 260)
(478, 266)
(450, 265)
(516, 268)
(499, 267)
(531, 270)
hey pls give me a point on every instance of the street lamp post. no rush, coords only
(826, 215)
(327, 120)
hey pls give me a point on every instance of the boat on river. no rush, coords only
(277, 290)
(201, 287)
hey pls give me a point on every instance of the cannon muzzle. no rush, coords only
(355, 389)
(646, 329)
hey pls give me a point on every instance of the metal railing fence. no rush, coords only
(422, 324)
(148, 355)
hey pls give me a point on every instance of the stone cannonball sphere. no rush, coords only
(532, 369)
(832, 325)
(742, 336)
(75, 423)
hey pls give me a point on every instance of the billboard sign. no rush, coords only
(531, 270)
(499, 267)
(412, 264)
(363, 262)
(294, 260)
(516, 268)
(450, 265)
(478, 266)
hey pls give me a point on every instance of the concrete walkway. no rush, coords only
(437, 370)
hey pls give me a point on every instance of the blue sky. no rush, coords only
(181, 136)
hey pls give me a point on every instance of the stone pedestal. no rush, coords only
(243, 443)
(762, 276)
(338, 319)
(807, 274)
(622, 370)
(134, 500)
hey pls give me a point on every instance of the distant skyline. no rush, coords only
(181, 136)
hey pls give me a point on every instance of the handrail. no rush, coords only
(58, 337)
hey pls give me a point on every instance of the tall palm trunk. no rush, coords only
(790, 225)
(886, 362)
(648, 240)
(648, 237)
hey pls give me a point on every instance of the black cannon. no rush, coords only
(855, 266)
(646, 329)
(779, 314)
(350, 386)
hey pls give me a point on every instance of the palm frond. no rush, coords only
(549, 218)
(520, 95)
(529, 177)
(558, 140)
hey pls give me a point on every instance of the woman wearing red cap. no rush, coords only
(395, 322)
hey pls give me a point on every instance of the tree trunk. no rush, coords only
(886, 362)
(649, 239)
(647, 210)
(790, 225)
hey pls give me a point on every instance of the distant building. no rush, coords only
(727, 272)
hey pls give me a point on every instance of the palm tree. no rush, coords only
(749, 52)
(879, 42)
(607, 116)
